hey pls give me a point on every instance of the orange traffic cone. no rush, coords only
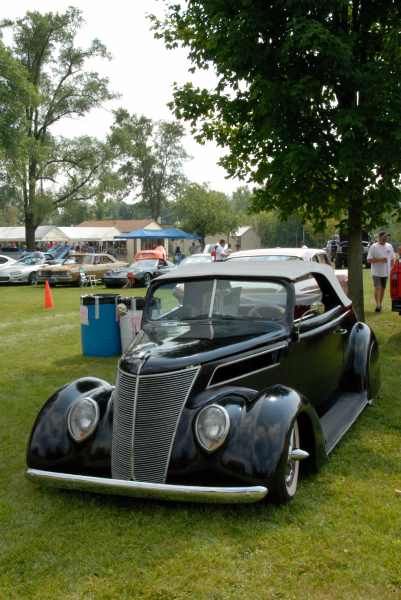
(48, 297)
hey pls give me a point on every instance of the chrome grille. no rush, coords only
(47, 274)
(147, 409)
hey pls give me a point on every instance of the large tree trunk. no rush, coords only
(30, 229)
(29, 203)
(355, 277)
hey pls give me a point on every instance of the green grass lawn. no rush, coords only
(339, 539)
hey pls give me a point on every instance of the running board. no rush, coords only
(336, 422)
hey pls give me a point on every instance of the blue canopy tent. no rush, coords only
(156, 234)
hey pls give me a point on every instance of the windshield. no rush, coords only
(266, 257)
(29, 260)
(81, 259)
(218, 299)
(148, 263)
(199, 258)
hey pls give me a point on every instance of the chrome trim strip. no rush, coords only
(212, 298)
(324, 327)
(133, 422)
(227, 364)
(138, 489)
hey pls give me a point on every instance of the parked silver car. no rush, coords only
(6, 261)
(24, 270)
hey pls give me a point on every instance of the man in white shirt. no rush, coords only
(220, 251)
(381, 257)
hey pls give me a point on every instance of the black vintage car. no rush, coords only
(235, 379)
(139, 272)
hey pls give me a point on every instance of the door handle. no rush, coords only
(341, 331)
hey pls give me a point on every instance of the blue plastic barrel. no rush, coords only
(100, 331)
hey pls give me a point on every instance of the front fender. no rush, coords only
(254, 450)
(50, 446)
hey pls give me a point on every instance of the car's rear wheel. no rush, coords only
(287, 481)
(32, 278)
(147, 278)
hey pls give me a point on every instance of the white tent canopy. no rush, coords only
(44, 233)
(51, 233)
(89, 234)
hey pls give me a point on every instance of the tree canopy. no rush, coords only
(152, 157)
(15, 93)
(307, 102)
(50, 170)
(203, 211)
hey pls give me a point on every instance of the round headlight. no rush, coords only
(211, 427)
(83, 418)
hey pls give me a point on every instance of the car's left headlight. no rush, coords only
(15, 272)
(83, 418)
(212, 426)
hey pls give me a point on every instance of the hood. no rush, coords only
(60, 252)
(172, 346)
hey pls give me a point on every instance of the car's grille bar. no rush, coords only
(147, 409)
(47, 274)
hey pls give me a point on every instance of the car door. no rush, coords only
(103, 263)
(316, 354)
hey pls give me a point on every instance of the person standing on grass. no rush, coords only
(381, 257)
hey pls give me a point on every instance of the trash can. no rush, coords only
(100, 331)
(177, 258)
(131, 323)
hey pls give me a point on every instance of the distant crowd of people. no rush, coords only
(221, 251)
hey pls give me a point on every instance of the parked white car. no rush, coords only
(309, 254)
(208, 249)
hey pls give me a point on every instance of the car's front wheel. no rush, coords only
(287, 481)
(32, 278)
(80, 281)
(147, 278)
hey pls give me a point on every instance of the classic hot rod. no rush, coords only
(236, 378)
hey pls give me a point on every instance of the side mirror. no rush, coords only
(317, 308)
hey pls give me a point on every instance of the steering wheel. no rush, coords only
(267, 311)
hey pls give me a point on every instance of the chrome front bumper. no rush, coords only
(138, 489)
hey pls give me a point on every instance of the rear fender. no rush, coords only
(51, 447)
(362, 367)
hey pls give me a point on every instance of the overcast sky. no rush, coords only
(143, 71)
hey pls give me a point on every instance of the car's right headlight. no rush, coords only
(83, 418)
(212, 426)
